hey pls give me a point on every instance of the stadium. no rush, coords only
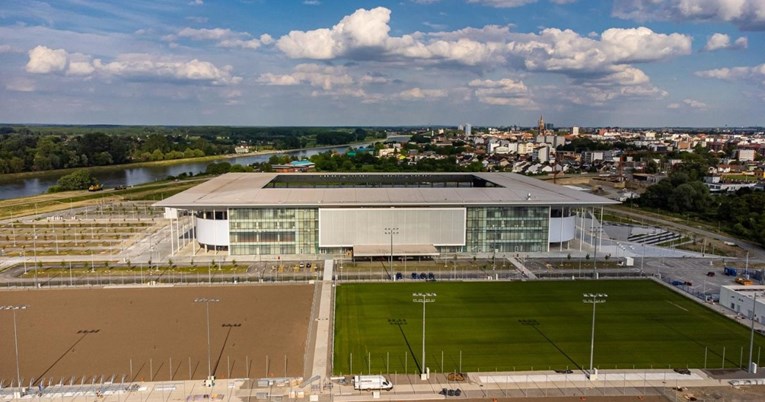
(275, 328)
(381, 214)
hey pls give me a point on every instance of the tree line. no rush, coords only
(683, 192)
(24, 149)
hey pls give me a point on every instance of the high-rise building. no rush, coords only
(468, 130)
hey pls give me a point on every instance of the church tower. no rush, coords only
(541, 125)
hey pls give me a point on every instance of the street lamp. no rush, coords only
(594, 299)
(391, 231)
(13, 309)
(423, 298)
(210, 378)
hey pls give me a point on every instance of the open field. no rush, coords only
(510, 326)
(80, 334)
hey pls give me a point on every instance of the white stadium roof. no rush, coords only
(241, 190)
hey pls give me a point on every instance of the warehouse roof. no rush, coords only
(376, 189)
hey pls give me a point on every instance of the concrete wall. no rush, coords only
(367, 226)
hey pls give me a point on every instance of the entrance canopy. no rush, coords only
(377, 250)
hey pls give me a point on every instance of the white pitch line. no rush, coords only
(680, 307)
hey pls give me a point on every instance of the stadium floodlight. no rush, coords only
(391, 231)
(423, 298)
(210, 378)
(13, 309)
(594, 299)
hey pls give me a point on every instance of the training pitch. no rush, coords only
(505, 326)
(90, 335)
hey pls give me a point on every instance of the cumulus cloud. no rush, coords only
(43, 60)
(506, 91)
(746, 14)
(565, 50)
(755, 74)
(719, 41)
(325, 77)
(223, 37)
(364, 35)
(600, 66)
(419, 93)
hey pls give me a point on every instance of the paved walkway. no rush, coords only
(323, 320)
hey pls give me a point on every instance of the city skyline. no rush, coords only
(415, 62)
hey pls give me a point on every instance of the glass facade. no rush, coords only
(286, 231)
(507, 229)
(274, 231)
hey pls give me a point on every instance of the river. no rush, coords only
(131, 176)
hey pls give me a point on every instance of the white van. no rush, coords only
(371, 383)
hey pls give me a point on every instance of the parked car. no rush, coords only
(423, 275)
(431, 277)
(414, 275)
(399, 276)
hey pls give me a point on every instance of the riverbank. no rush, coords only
(43, 203)
(211, 158)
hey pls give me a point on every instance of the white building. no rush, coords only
(746, 155)
(741, 299)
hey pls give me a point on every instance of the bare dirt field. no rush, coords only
(155, 333)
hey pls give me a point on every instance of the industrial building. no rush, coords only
(380, 214)
(745, 300)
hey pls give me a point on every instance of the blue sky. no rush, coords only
(406, 62)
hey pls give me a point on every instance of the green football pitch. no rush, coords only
(505, 326)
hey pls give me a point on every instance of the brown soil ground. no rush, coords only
(83, 333)
(646, 398)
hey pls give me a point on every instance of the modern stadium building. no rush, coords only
(381, 214)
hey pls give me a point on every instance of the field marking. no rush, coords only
(678, 306)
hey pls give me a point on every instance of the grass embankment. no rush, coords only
(17, 207)
(524, 325)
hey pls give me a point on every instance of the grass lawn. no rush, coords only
(498, 326)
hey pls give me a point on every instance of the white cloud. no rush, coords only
(43, 60)
(20, 85)
(755, 74)
(196, 2)
(565, 50)
(223, 37)
(364, 35)
(562, 1)
(503, 3)
(312, 2)
(746, 14)
(694, 104)
(719, 41)
(6, 49)
(506, 92)
(419, 93)
(325, 77)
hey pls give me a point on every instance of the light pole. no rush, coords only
(391, 231)
(424, 298)
(752, 368)
(13, 309)
(210, 378)
(594, 299)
